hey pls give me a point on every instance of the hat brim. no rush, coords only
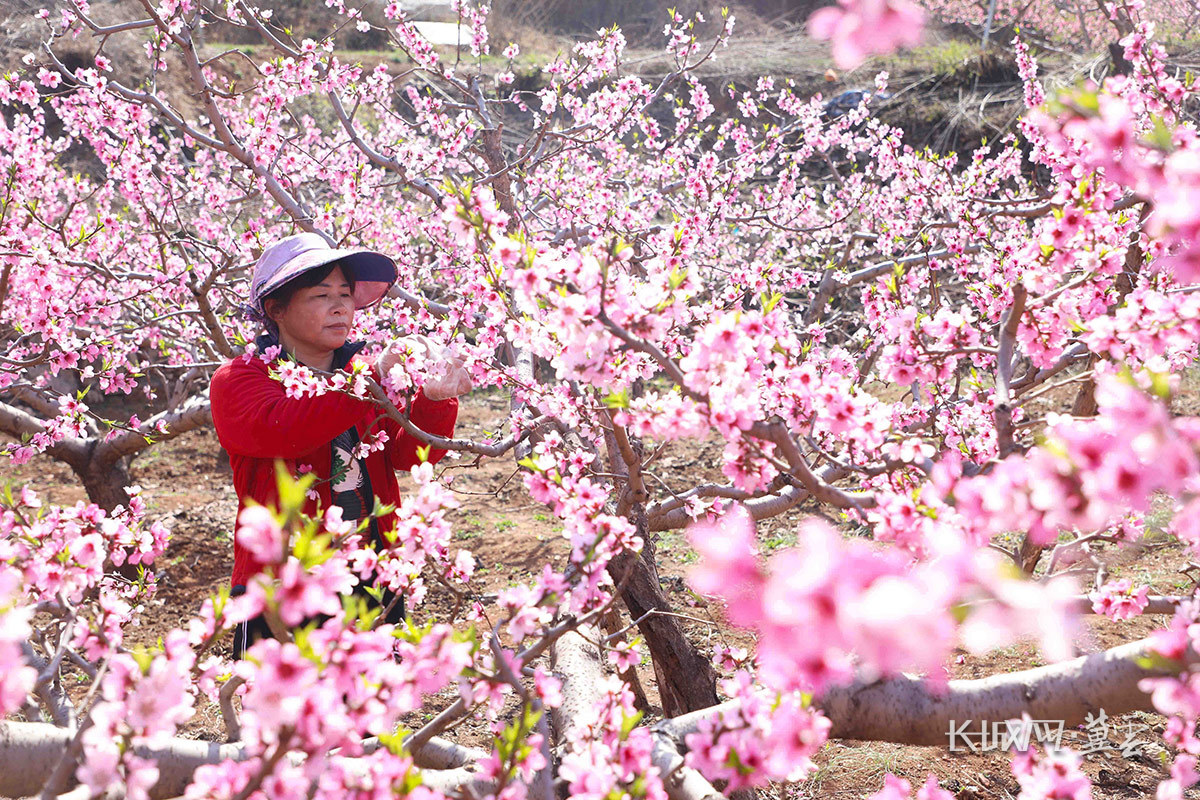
(373, 273)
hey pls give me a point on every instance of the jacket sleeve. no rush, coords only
(436, 417)
(254, 416)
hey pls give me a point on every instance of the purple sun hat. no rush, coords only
(373, 273)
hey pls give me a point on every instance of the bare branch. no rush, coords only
(633, 464)
(195, 413)
(28, 751)
(823, 491)
(436, 753)
(1009, 323)
(233, 726)
(458, 445)
(831, 282)
(764, 507)
(48, 688)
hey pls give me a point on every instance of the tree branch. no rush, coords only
(911, 711)
(17, 423)
(1004, 369)
(195, 413)
(29, 750)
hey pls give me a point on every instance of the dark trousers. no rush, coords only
(248, 632)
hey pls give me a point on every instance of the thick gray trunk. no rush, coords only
(686, 681)
(105, 483)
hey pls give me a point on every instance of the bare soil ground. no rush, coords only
(187, 484)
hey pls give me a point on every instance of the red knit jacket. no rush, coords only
(257, 423)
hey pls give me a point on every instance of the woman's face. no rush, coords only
(318, 318)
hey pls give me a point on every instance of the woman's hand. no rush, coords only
(446, 375)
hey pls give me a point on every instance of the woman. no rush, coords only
(306, 293)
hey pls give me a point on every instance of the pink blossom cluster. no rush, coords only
(1178, 697)
(830, 610)
(1090, 474)
(1120, 599)
(763, 738)
(1131, 131)
(301, 584)
(596, 535)
(62, 551)
(16, 677)
(143, 702)
(606, 754)
(1056, 775)
(859, 28)
(59, 555)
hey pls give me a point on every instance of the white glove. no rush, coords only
(446, 376)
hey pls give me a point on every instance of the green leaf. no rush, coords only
(394, 742)
(1157, 662)
(1160, 385)
(292, 492)
(1087, 101)
(358, 612)
(677, 277)
(412, 780)
(143, 657)
(1160, 136)
(219, 600)
(617, 399)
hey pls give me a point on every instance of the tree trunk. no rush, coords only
(686, 680)
(1030, 554)
(1085, 400)
(1116, 56)
(105, 482)
(612, 624)
(1084, 404)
